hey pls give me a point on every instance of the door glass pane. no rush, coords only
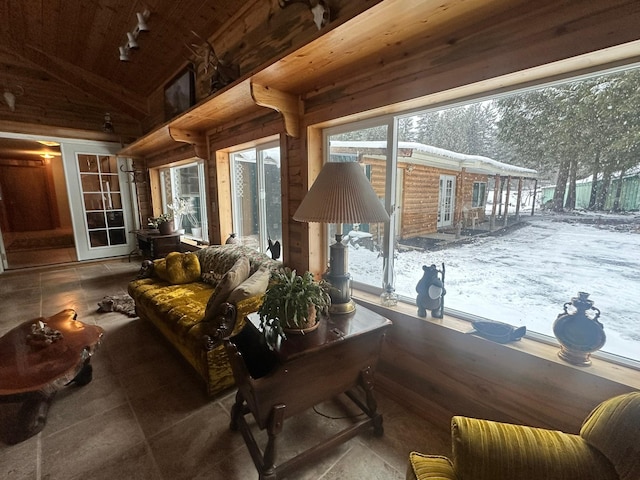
(115, 219)
(108, 164)
(87, 163)
(117, 236)
(98, 238)
(95, 220)
(90, 182)
(93, 201)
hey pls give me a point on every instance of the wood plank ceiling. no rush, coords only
(61, 57)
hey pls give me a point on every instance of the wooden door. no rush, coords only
(27, 198)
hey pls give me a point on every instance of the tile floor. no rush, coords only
(145, 416)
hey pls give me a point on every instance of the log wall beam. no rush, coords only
(287, 104)
(196, 139)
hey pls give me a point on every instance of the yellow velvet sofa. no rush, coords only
(607, 448)
(178, 296)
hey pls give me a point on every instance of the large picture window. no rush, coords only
(526, 199)
(257, 197)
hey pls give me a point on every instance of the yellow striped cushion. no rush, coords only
(614, 428)
(432, 467)
(490, 450)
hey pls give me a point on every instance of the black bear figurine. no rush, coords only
(431, 292)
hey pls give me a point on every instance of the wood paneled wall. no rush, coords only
(439, 370)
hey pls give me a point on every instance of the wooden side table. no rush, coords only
(153, 245)
(273, 385)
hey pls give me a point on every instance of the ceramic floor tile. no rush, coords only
(18, 462)
(204, 440)
(75, 404)
(360, 462)
(86, 445)
(137, 463)
(168, 405)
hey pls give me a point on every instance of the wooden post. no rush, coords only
(496, 187)
(535, 190)
(519, 199)
(506, 203)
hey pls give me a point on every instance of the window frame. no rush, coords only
(492, 89)
(259, 147)
(171, 172)
(479, 201)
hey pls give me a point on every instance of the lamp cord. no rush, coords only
(315, 409)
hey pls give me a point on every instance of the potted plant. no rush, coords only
(165, 223)
(291, 304)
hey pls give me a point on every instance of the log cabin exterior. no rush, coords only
(373, 58)
(437, 189)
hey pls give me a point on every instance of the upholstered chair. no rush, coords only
(608, 447)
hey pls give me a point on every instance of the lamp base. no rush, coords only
(342, 308)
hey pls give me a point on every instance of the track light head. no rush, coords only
(142, 21)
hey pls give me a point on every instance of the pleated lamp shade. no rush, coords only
(341, 194)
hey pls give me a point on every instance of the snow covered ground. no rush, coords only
(524, 277)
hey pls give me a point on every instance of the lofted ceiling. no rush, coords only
(63, 56)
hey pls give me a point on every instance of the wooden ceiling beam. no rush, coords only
(98, 87)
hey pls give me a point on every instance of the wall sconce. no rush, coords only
(10, 97)
(132, 37)
(46, 158)
(107, 126)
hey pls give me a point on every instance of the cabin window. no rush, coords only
(183, 191)
(479, 194)
(553, 176)
(256, 196)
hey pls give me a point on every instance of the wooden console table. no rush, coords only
(273, 385)
(153, 245)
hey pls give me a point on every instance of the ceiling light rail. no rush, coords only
(132, 36)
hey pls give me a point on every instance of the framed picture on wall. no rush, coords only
(179, 93)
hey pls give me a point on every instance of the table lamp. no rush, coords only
(341, 194)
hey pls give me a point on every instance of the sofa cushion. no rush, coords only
(216, 260)
(255, 285)
(237, 274)
(178, 268)
(613, 428)
(422, 467)
(176, 307)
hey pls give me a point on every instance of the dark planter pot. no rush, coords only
(166, 228)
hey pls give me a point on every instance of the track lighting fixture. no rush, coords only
(132, 36)
(132, 44)
(142, 21)
(124, 54)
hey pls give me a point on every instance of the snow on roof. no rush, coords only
(476, 163)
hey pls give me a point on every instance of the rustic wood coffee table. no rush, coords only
(303, 371)
(32, 374)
